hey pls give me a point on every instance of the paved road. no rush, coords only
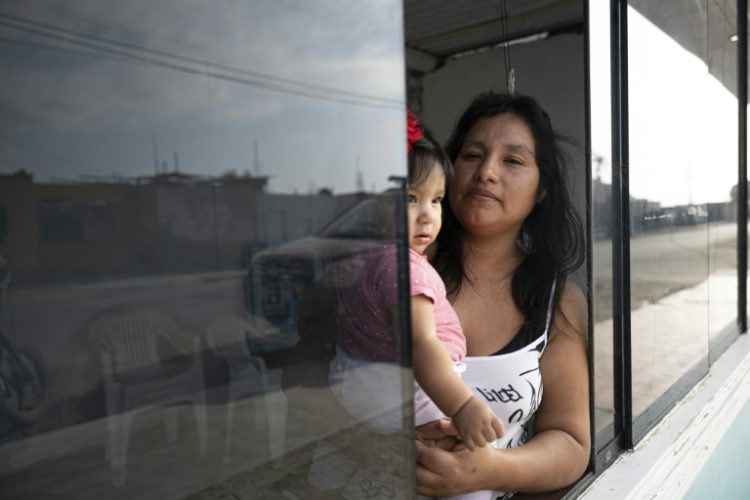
(676, 309)
(664, 263)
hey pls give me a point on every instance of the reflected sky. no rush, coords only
(693, 158)
(117, 88)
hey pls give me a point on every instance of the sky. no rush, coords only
(682, 121)
(90, 87)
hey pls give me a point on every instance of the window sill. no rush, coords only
(670, 456)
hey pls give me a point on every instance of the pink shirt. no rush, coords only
(367, 284)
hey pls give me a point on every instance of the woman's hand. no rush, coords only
(447, 473)
(440, 433)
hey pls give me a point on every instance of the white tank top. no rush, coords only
(511, 384)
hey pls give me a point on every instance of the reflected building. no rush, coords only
(172, 223)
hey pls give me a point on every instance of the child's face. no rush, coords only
(425, 211)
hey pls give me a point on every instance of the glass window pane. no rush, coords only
(722, 206)
(672, 139)
(180, 182)
(602, 222)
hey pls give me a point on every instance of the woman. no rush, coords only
(509, 241)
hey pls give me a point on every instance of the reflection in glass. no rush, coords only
(672, 140)
(602, 222)
(176, 182)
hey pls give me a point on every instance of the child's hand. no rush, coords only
(477, 424)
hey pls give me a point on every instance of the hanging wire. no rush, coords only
(510, 73)
(123, 51)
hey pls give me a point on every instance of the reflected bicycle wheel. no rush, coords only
(24, 395)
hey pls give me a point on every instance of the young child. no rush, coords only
(367, 318)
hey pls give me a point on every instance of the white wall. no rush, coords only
(551, 70)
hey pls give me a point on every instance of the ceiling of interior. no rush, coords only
(438, 29)
(704, 28)
(442, 28)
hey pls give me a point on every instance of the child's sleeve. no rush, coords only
(420, 283)
(385, 279)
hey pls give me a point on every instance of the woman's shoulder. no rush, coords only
(571, 295)
(571, 316)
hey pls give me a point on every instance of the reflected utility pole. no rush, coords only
(156, 154)
(256, 161)
(360, 181)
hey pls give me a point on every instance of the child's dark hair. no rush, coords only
(426, 154)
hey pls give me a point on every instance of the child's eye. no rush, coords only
(411, 198)
(437, 199)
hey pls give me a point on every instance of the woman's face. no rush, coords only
(496, 183)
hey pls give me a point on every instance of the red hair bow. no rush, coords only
(413, 131)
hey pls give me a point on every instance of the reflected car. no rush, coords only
(670, 218)
(278, 276)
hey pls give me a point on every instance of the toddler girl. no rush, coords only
(367, 319)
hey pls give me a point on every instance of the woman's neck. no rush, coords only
(491, 258)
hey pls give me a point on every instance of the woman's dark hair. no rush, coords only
(427, 153)
(551, 236)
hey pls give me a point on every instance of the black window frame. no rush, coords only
(625, 431)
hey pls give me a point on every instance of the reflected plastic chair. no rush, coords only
(228, 337)
(147, 360)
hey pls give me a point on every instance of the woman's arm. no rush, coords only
(558, 453)
(561, 427)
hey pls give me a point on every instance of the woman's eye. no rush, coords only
(470, 155)
(513, 160)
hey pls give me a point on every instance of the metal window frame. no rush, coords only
(742, 165)
(589, 221)
(622, 354)
(625, 429)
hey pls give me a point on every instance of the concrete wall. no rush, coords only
(551, 70)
